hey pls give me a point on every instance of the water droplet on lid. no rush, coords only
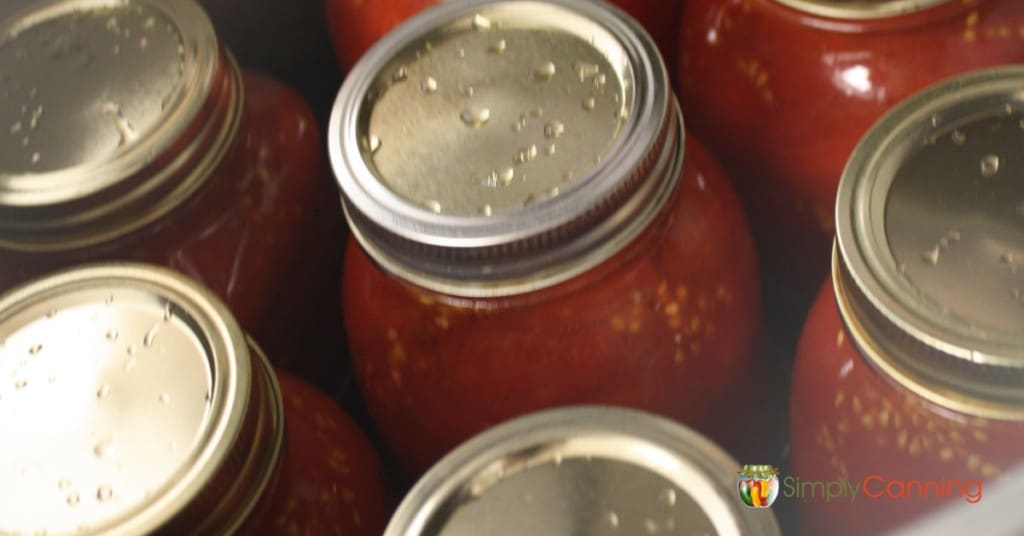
(20, 384)
(35, 158)
(24, 141)
(434, 206)
(520, 124)
(16, 127)
(401, 74)
(667, 497)
(466, 90)
(371, 143)
(554, 129)
(35, 349)
(530, 199)
(429, 85)
(481, 22)
(526, 154)
(132, 349)
(164, 398)
(130, 364)
(112, 335)
(109, 300)
(958, 137)
(150, 336)
(462, 53)
(105, 449)
(104, 493)
(589, 103)
(498, 47)
(935, 120)
(475, 117)
(585, 70)
(537, 112)
(650, 526)
(623, 114)
(1006, 258)
(1008, 108)
(73, 499)
(150, 22)
(486, 210)
(167, 312)
(931, 256)
(103, 392)
(51, 380)
(600, 80)
(989, 165)
(143, 42)
(544, 72)
(550, 151)
(506, 176)
(51, 313)
(64, 483)
(613, 519)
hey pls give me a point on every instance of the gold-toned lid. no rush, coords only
(110, 114)
(930, 224)
(126, 393)
(492, 147)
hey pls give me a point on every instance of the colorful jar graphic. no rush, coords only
(758, 485)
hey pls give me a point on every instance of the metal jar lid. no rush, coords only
(492, 147)
(862, 9)
(930, 220)
(582, 470)
(111, 113)
(128, 403)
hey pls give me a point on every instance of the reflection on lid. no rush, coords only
(80, 86)
(479, 119)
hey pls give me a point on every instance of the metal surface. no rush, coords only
(930, 220)
(583, 470)
(126, 395)
(92, 92)
(491, 147)
(861, 9)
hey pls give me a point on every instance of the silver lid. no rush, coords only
(930, 220)
(582, 470)
(490, 147)
(128, 403)
(103, 109)
(861, 9)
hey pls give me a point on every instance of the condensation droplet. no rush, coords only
(530, 199)
(498, 47)
(544, 72)
(466, 90)
(51, 380)
(589, 103)
(35, 349)
(526, 154)
(167, 312)
(931, 256)
(989, 165)
(550, 151)
(486, 210)
(462, 53)
(585, 70)
(371, 143)
(64, 483)
(104, 492)
(481, 22)
(667, 497)
(958, 137)
(475, 117)
(600, 80)
(434, 206)
(132, 349)
(164, 398)
(130, 364)
(36, 157)
(51, 313)
(935, 120)
(143, 42)
(103, 392)
(150, 336)
(149, 24)
(401, 74)
(506, 176)
(554, 129)
(613, 519)
(623, 114)
(429, 85)
(20, 384)
(650, 526)
(73, 499)
(16, 127)
(1006, 258)
(112, 335)
(105, 449)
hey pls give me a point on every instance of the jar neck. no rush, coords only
(859, 17)
(172, 177)
(253, 465)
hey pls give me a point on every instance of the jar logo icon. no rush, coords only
(758, 485)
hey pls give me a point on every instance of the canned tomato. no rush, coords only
(908, 381)
(582, 470)
(164, 152)
(782, 90)
(356, 24)
(130, 402)
(532, 230)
